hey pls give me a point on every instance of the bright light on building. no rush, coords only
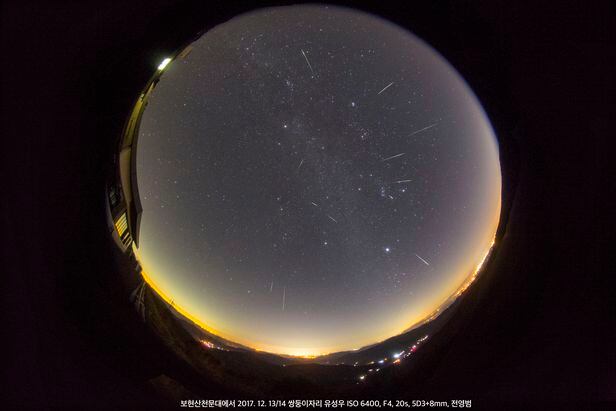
(164, 63)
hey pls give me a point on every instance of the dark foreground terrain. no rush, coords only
(251, 374)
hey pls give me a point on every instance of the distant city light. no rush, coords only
(208, 344)
(164, 63)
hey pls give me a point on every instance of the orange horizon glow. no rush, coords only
(311, 353)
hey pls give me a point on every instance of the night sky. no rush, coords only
(314, 179)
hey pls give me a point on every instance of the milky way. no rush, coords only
(314, 179)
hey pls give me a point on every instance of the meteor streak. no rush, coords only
(386, 87)
(332, 218)
(392, 157)
(423, 129)
(424, 261)
(309, 66)
(402, 181)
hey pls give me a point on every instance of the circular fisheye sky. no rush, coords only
(313, 179)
